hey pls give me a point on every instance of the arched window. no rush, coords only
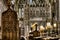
(30, 1)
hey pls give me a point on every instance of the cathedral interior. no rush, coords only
(29, 19)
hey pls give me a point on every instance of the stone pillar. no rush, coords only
(59, 10)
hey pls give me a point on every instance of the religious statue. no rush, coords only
(9, 23)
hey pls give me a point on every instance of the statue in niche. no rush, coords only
(9, 24)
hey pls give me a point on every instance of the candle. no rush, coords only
(41, 28)
(48, 25)
(54, 24)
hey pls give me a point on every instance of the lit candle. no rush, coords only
(41, 28)
(33, 26)
(54, 24)
(48, 25)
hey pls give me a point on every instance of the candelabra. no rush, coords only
(49, 28)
